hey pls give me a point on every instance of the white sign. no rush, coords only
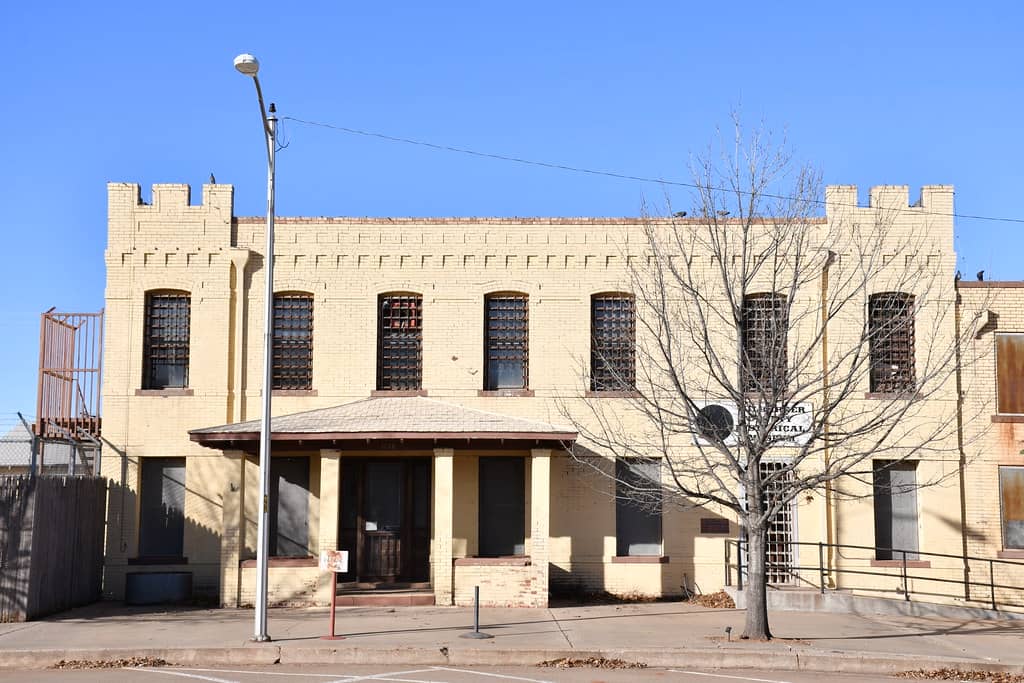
(719, 418)
(334, 561)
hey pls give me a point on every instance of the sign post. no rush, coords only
(335, 562)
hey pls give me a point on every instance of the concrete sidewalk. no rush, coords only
(659, 634)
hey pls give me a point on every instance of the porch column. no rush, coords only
(330, 500)
(540, 526)
(441, 541)
(330, 497)
(232, 541)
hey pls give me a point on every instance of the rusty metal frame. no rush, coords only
(68, 398)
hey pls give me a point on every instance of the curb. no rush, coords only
(702, 658)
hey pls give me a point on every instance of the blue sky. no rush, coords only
(871, 92)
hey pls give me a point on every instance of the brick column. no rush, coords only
(540, 516)
(232, 540)
(441, 544)
(330, 500)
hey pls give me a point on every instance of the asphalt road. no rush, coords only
(415, 674)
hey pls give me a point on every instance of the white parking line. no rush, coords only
(263, 673)
(182, 674)
(485, 673)
(384, 676)
(738, 678)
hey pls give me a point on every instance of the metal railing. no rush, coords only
(993, 590)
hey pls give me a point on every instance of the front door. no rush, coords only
(385, 519)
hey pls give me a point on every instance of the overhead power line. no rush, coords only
(607, 174)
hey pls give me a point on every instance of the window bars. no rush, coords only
(293, 342)
(166, 340)
(891, 342)
(613, 335)
(764, 330)
(506, 332)
(400, 343)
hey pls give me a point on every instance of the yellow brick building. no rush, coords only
(428, 373)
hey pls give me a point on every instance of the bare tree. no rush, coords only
(832, 339)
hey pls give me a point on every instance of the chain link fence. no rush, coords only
(21, 452)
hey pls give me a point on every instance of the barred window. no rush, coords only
(400, 342)
(165, 340)
(764, 331)
(891, 342)
(613, 335)
(506, 341)
(293, 341)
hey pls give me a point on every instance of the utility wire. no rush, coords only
(607, 174)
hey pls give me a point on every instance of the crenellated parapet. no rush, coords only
(170, 220)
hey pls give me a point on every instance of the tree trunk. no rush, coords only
(756, 627)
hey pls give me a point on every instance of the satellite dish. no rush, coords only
(715, 422)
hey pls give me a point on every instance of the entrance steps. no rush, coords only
(385, 597)
(841, 602)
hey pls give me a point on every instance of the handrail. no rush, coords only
(824, 571)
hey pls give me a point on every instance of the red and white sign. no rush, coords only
(334, 561)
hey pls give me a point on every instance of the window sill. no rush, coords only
(1010, 554)
(883, 396)
(612, 394)
(916, 564)
(157, 560)
(164, 392)
(1008, 418)
(293, 392)
(397, 393)
(509, 561)
(640, 559)
(283, 562)
(505, 392)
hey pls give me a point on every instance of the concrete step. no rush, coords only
(840, 602)
(385, 598)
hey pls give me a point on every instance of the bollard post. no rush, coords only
(476, 633)
(334, 606)
(906, 583)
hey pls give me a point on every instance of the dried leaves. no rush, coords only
(122, 663)
(719, 600)
(592, 663)
(960, 675)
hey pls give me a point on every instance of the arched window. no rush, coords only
(891, 342)
(400, 342)
(764, 331)
(293, 341)
(506, 341)
(612, 341)
(165, 340)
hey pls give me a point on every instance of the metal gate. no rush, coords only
(781, 556)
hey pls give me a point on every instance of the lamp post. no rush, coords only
(249, 66)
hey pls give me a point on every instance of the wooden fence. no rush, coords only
(51, 544)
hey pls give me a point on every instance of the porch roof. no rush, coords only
(415, 419)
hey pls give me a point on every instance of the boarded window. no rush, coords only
(613, 334)
(895, 501)
(764, 329)
(891, 342)
(1011, 495)
(506, 343)
(289, 507)
(162, 513)
(293, 341)
(502, 521)
(637, 506)
(1010, 379)
(400, 342)
(165, 340)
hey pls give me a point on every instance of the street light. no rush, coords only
(250, 66)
